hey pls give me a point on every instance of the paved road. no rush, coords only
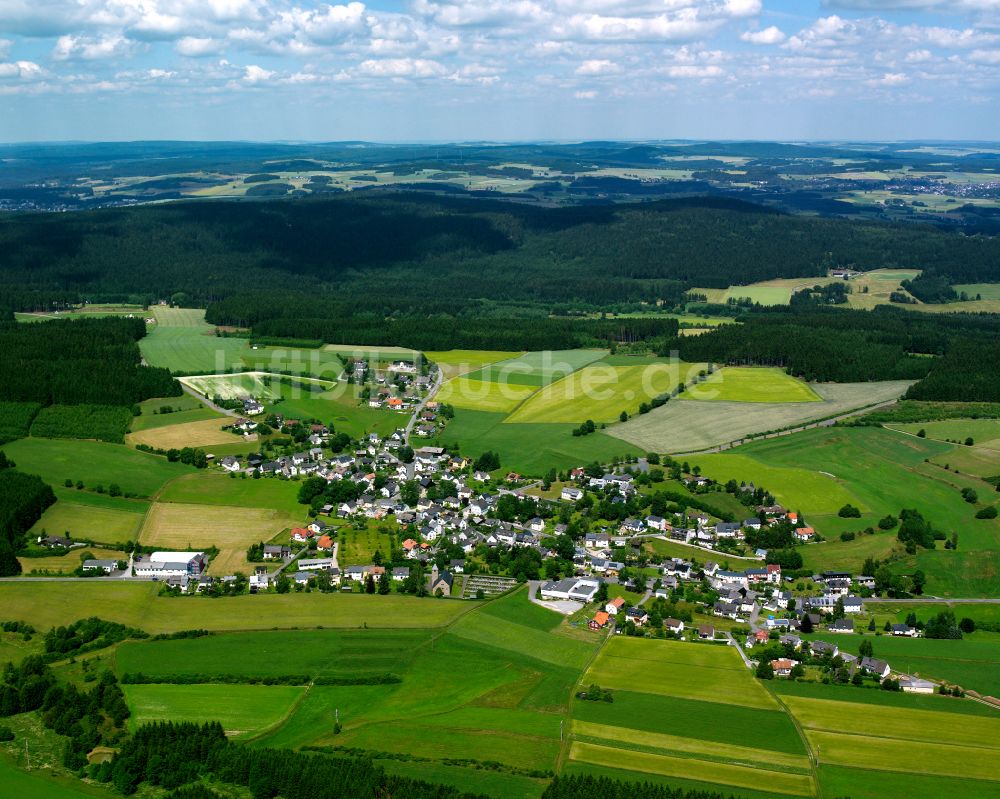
(733, 642)
(936, 600)
(439, 376)
(201, 397)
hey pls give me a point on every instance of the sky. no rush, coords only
(499, 70)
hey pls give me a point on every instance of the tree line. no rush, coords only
(23, 500)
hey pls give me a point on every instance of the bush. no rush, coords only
(849, 512)
(6, 734)
(987, 513)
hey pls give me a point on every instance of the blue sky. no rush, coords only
(446, 70)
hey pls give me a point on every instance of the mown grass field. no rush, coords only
(136, 604)
(182, 341)
(459, 362)
(175, 526)
(95, 463)
(215, 488)
(483, 395)
(202, 434)
(706, 672)
(150, 421)
(751, 384)
(531, 449)
(601, 391)
(679, 427)
(88, 521)
(243, 710)
(537, 368)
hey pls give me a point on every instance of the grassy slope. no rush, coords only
(530, 448)
(94, 463)
(182, 341)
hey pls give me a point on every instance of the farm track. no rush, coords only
(813, 758)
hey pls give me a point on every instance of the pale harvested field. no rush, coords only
(692, 426)
(171, 525)
(206, 433)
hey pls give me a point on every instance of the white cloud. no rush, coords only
(589, 94)
(21, 70)
(598, 66)
(684, 26)
(196, 46)
(693, 71)
(985, 56)
(919, 56)
(769, 35)
(400, 68)
(255, 74)
(890, 79)
(90, 49)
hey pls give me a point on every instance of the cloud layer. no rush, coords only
(643, 57)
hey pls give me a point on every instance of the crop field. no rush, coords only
(243, 710)
(138, 604)
(532, 449)
(751, 384)
(459, 362)
(174, 526)
(215, 488)
(483, 395)
(182, 341)
(205, 433)
(538, 368)
(95, 463)
(240, 386)
(66, 517)
(939, 743)
(692, 426)
(861, 783)
(151, 421)
(313, 653)
(601, 391)
(706, 672)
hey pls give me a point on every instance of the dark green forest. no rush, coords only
(23, 500)
(407, 253)
(82, 361)
(950, 355)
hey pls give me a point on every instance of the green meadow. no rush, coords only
(215, 488)
(43, 784)
(751, 384)
(532, 449)
(95, 463)
(90, 522)
(182, 341)
(483, 395)
(537, 368)
(243, 710)
(339, 407)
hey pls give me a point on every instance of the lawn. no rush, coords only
(215, 488)
(751, 384)
(109, 525)
(243, 710)
(175, 526)
(602, 391)
(136, 604)
(182, 341)
(358, 546)
(483, 395)
(95, 463)
(203, 434)
(532, 449)
(42, 784)
(538, 368)
(706, 672)
(691, 426)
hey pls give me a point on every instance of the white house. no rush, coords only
(170, 564)
(571, 494)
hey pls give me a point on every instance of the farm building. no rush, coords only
(170, 564)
